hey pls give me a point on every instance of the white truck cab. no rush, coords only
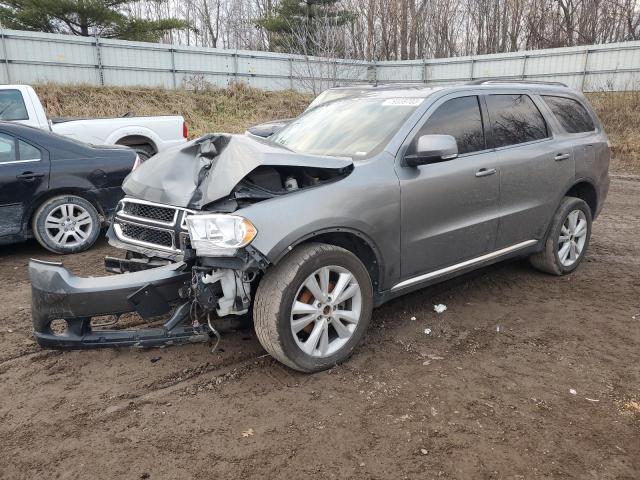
(146, 135)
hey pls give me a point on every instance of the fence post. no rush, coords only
(290, 73)
(99, 61)
(425, 74)
(524, 67)
(584, 69)
(4, 51)
(473, 61)
(235, 67)
(173, 67)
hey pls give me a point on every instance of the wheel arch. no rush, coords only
(585, 189)
(350, 239)
(133, 140)
(582, 188)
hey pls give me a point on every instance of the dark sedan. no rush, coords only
(55, 189)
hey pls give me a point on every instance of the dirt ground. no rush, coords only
(524, 376)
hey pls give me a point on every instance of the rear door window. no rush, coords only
(515, 119)
(573, 117)
(459, 117)
(12, 106)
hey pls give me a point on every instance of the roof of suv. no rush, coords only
(424, 89)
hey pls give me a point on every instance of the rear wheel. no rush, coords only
(567, 240)
(144, 151)
(313, 308)
(66, 224)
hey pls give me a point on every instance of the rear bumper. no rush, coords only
(57, 294)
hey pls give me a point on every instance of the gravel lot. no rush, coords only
(523, 376)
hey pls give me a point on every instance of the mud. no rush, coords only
(486, 395)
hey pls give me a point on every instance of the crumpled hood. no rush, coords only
(208, 168)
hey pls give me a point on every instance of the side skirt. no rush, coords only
(424, 280)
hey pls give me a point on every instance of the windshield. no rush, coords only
(328, 96)
(351, 127)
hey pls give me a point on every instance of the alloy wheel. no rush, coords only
(573, 236)
(325, 311)
(68, 225)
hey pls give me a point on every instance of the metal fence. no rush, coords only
(31, 57)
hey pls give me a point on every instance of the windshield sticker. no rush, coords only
(404, 102)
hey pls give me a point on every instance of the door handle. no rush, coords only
(484, 172)
(561, 156)
(28, 176)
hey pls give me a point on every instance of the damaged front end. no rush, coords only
(188, 253)
(193, 293)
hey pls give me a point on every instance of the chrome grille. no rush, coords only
(151, 225)
(150, 212)
(149, 235)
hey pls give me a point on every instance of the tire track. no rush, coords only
(193, 380)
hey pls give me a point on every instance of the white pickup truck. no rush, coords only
(146, 135)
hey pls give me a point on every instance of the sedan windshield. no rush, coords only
(350, 127)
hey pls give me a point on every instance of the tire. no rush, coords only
(273, 307)
(145, 152)
(50, 221)
(550, 260)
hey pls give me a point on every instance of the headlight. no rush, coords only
(215, 235)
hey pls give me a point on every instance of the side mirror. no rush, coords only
(432, 149)
(265, 130)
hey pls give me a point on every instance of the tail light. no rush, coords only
(185, 130)
(137, 163)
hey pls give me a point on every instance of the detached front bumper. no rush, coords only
(57, 294)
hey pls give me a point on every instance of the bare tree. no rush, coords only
(327, 41)
(411, 29)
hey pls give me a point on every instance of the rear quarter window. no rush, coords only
(7, 148)
(571, 114)
(12, 106)
(28, 152)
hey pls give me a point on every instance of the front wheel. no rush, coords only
(313, 308)
(567, 239)
(66, 224)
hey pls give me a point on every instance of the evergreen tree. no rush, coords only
(291, 17)
(104, 18)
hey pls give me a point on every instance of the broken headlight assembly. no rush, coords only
(218, 234)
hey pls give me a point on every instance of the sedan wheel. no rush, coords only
(66, 224)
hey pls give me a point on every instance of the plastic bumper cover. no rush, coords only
(58, 294)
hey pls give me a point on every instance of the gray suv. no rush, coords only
(357, 201)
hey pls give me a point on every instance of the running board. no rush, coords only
(462, 265)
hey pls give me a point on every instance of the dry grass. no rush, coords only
(209, 110)
(238, 107)
(620, 114)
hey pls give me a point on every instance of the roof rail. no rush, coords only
(490, 81)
